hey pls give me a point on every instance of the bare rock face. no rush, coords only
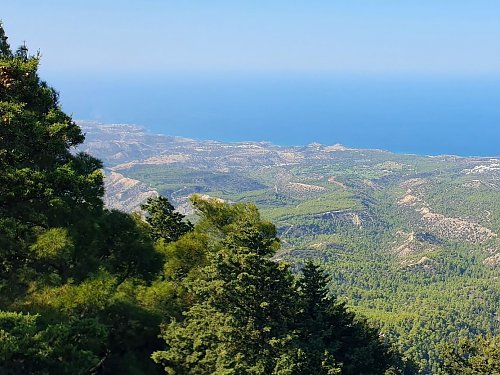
(493, 260)
(125, 194)
(357, 218)
(457, 229)
(299, 187)
(451, 228)
(417, 243)
(423, 264)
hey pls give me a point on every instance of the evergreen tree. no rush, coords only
(28, 347)
(42, 183)
(317, 337)
(249, 317)
(4, 45)
(166, 223)
(244, 305)
(71, 272)
(472, 357)
(334, 338)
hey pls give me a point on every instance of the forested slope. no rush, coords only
(410, 241)
(89, 290)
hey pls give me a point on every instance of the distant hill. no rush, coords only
(410, 240)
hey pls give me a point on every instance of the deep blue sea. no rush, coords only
(421, 115)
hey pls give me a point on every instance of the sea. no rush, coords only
(426, 115)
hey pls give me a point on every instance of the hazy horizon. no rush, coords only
(415, 77)
(446, 116)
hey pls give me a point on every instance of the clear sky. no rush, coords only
(419, 76)
(444, 37)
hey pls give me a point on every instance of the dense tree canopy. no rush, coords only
(251, 316)
(472, 357)
(70, 271)
(329, 333)
(86, 290)
(42, 183)
(166, 224)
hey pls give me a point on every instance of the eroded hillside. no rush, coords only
(312, 190)
(409, 240)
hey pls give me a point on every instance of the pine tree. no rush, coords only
(476, 356)
(166, 223)
(316, 332)
(43, 184)
(334, 339)
(245, 303)
(70, 271)
(4, 45)
(249, 317)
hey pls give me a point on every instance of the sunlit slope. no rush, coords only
(411, 241)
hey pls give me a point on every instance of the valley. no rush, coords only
(411, 241)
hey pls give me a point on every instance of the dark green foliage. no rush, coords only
(26, 347)
(166, 223)
(42, 184)
(72, 275)
(4, 45)
(249, 317)
(244, 303)
(122, 244)
(331, 334)
(472, 357)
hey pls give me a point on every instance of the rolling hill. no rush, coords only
(410, 241)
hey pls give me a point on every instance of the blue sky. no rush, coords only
(443, 37)
(419, 76)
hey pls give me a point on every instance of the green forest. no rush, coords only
(88, 290)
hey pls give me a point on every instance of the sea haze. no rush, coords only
(421, 115)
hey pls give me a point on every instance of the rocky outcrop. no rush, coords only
(494, 259)
(450, 228)
(125, 194)
(339, 217)
(455, 228)
(416, 243)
